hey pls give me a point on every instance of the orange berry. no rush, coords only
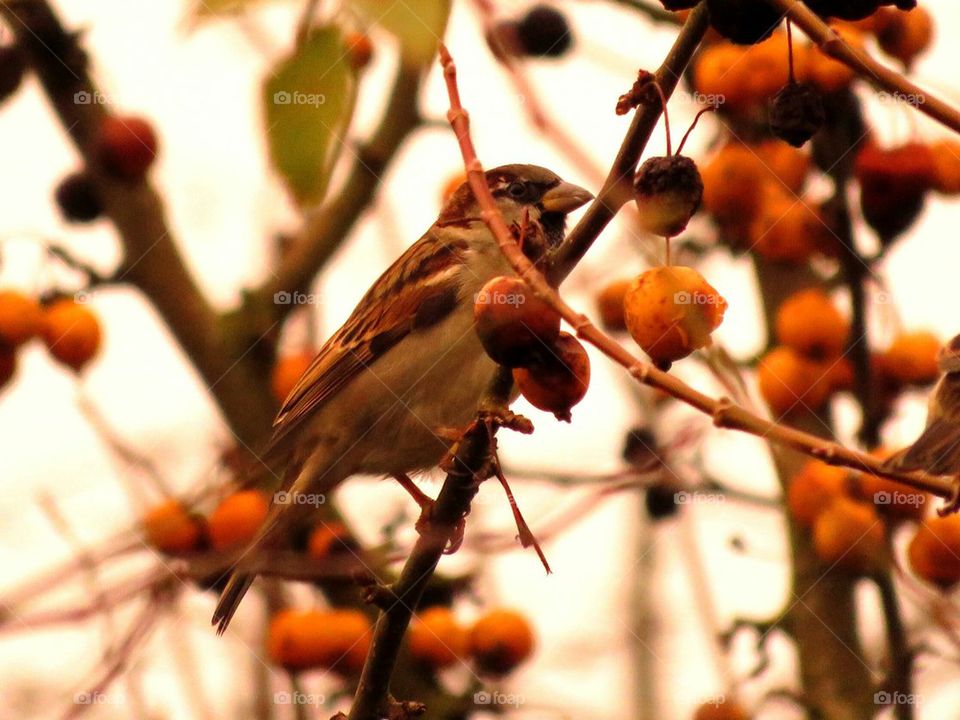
(171, 529)
(71, 332)
(767, 67)
(671, 311)
(732, 185)
(329, 539)
(437, 639)
(558, 379)
(20, 318)
(501, 640)
(514, 325)
(912, 358)
(360, 49)
(8, 363)
(237, 518)
(720, 709)
(789, 382)
(813, 489)
(946, 166)
(336, 640)
(904, 34)
(610, 305)
(787, 229)
(287, 371)
(934, 552)
(808, 322)
(849, 535)
(786, 165)
(841, 374)
(719, 75)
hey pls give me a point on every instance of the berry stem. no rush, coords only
(666, 115)
(791, 79)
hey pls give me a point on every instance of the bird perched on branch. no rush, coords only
(406, 367)
(937, 450)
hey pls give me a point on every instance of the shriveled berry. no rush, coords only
(668, 191)
(126, 146)
(796, 113)
(78, 199)
(544, 32)
(514, 325)
(12, 68)
(559, 379)
(745, 22)
(671, 311)
(640, 448)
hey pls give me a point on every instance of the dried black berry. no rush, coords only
(78, 199)
(855, 9)
(544, 32)
(796, 113)
(640, 448)
(745, 22)
(660, 502)
(679, 4)
(668, 192)
(12, 68)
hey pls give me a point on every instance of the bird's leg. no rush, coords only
(491, 417)
(525, 534)
(426, 503)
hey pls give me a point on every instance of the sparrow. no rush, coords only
(937, 450)
(384, 392)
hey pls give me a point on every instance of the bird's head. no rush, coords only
(523, 193)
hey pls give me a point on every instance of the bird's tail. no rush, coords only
(230, 598)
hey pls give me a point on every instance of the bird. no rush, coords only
(937, 450)
(384, 391)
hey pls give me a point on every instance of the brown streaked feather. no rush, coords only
(936, 451)
(417, 291)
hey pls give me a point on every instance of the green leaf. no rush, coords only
(308, 102)
(418, 25)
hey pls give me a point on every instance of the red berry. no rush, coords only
(126, 146)
(559, 380)
(514, 325)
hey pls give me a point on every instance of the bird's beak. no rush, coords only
(565, 197)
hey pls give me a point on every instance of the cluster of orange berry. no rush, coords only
(69, 329)
(848, 514)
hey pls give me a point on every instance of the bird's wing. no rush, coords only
(417, 291)
(936, 451)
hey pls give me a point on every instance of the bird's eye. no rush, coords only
(517, 190)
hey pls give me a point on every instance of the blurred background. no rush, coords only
(626, 624)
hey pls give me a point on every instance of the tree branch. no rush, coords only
(866, 67)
